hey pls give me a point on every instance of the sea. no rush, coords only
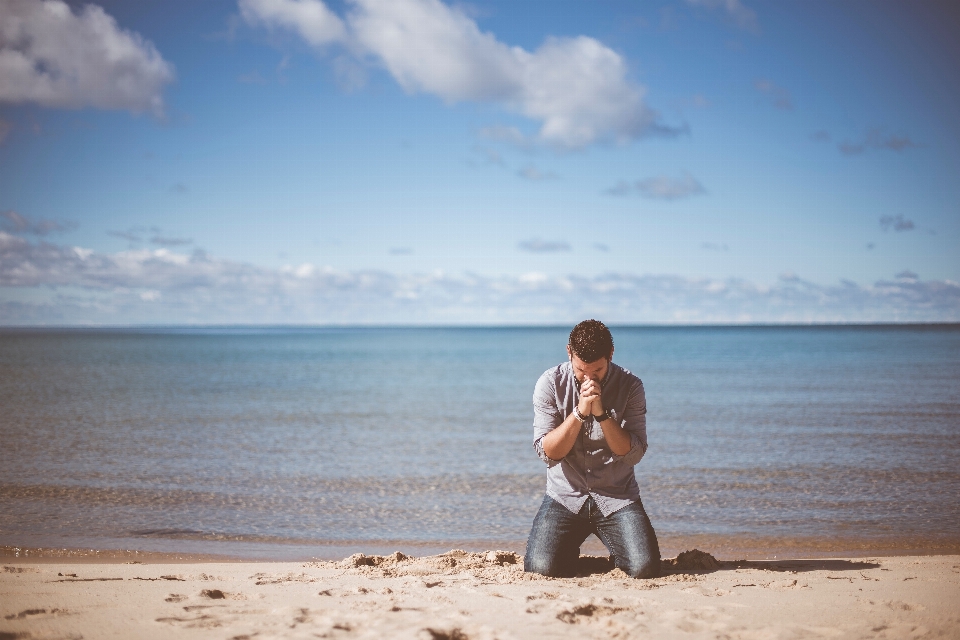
(285, 443)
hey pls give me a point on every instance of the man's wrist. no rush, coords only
(579, 416)
(606, 415)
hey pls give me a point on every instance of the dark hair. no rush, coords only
(591, 340)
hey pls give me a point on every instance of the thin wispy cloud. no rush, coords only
(821, 136)
(670, 188)
(168, 241)
(715, 246)
(906, 274)
(778, 96)
(15, 222)
(349, 73)
(697, 101)
(131, 235)
(253, 77)
(161, 286)
(876, 139)
(622, 188)
(741, 15)
(55, 57)
(543, 246)
(5, 128)
(489, 156)
(659, 187)
(507, 135)
(896, 223)
(531, 172)
(576, 88)
(139, 235)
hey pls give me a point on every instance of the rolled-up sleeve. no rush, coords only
(546, 414)
(634, 422)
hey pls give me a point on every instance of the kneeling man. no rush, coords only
(590, 428)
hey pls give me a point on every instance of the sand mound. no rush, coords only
(693, 560)
(505, 566)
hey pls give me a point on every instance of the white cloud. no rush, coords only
(577, 88)
(311, 19)
(75, 286)
(56, 58)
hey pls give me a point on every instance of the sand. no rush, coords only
(460, 595)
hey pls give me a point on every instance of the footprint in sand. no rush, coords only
(19, 570)
(28, 613)
(587, 612)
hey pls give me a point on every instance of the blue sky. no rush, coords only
(418, 161)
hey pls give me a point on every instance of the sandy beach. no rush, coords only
(462, 595)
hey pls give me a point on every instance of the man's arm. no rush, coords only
(634, 423)
(618, 438)
(557, 443)
(553, 436)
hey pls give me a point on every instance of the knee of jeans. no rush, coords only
(644, 567)
(538, 563)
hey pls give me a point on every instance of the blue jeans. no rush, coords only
(554, 544)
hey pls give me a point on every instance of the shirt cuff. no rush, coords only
(538, 446)
(633, 456)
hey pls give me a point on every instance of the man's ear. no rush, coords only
(611, 354)
(569, 353)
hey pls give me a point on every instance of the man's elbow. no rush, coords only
(622, 450)
(551, 456)
(635, 454)
(543, 455)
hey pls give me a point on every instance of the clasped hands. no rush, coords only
(591, 404)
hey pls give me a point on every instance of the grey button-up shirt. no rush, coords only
(591, 468)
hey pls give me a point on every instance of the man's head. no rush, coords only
(590, 349)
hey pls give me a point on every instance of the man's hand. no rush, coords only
(590, 401)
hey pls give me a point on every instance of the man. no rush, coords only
(590, 428)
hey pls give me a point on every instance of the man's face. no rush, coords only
(595, 370)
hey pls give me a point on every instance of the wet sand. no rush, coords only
(462, 595)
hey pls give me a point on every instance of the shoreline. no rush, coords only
(459, 595)
(173, 550)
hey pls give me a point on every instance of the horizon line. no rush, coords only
(639, 325)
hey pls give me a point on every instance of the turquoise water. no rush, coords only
(297, 443)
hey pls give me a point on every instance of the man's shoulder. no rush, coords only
(557, 372)
(554, 376)
(625, 377)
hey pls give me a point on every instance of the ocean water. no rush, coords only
(298, 443)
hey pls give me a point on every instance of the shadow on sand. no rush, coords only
(696, 561)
